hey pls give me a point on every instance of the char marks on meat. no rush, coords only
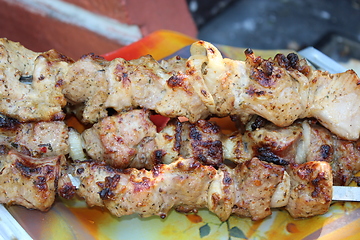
(29, 182)
(186, 185)
(280, 90)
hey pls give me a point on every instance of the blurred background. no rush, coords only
(76, 27)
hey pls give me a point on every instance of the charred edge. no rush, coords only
(325, 151)
(208, 127)
(40, 183)
(94, 165)
(318, 186)
(291, 61)
(106, 194)
(8, 123)
(156, 170)
(208, 152)
(266, 155)
(268, 68)
(25, 150)
(194, 164)
(227, 180)
(262, 77)
(282, 61)
(67, 191)
(357, 180)
(248, 51)
(258, 123)
(177, 81)
(110, 184)
(194, 133)
(53, 56)
(158, 156)
(141, 186)
(28, 169)
(93, 56)
(58, 116)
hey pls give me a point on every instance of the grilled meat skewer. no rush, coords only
(250, 189)
(130, 140)
(281, 90)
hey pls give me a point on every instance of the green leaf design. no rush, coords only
(236, 232)
(204, 230)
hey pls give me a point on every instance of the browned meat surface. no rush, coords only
(255, 184)
(140, 147)
(247, 190)
(201, 141)
(29, 182)
(130, 140)
(114, 138)
(304, 141)
(181, 184)
(281, 90)
(311, 189)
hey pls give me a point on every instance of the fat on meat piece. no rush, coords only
(186, 185)
(29, 182)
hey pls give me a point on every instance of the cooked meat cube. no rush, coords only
(29, 182)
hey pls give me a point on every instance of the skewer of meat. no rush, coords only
(32, 182)
(51, 70)
(250, 189)
(281, 90)
(130, 140)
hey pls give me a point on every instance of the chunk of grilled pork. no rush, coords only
(27, 181)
